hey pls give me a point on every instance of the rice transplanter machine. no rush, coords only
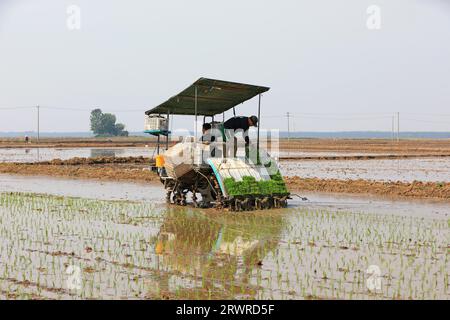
(208, 168)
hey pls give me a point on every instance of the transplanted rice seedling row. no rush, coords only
(54, 248)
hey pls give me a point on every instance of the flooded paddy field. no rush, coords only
(154, 193)
(21, 155)
(68, 245)
(405, 170)
(100, 190)
(29, 155)
(68, 238)
(375, 146)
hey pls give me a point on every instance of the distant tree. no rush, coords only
(96, 121)
(108, 124)
(120, 130)
(104, 124)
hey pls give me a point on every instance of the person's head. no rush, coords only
(253, 121)
(206, 127)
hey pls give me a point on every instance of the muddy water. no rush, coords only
(284, 153)
(436, 209)
(47, 154)
(154, 192)
(100, 190)
(406, 170)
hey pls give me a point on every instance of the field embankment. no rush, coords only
(415, 189)
(116, 169)
(359, 146)
(369, 146)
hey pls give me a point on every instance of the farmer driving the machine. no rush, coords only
(236, 124)
(207, 136)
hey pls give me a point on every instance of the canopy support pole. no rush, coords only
(195, 102)
(223, 136)
(168, 127)
(259, 126)
(157, 144)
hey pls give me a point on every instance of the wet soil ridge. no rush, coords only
(417, 189)
(365, 157)
(115, 169)
(407, 146)
(96, 160)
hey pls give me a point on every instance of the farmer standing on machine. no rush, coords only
(236, 124)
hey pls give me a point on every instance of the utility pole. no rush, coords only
(398, 126)
(195, 106)
(288, 115)
(289, 131)
(38, 130)
(393, 128)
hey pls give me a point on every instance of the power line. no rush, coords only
(428, 114)
(92, 108)
(73, 109)
(428, 121)
(16, 108)
(341, 118)
(291, 115)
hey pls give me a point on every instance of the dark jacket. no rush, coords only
(238, 123)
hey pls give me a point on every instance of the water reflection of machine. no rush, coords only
(214, 256)
(97, 152)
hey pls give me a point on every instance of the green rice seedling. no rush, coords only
(131, 249)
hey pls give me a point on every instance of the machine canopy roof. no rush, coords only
(213, 97)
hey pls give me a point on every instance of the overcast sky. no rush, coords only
(318, 57)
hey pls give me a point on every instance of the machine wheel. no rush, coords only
(266, 203)
(168, 196)
(247, 205)
(283, 202)
(258, 204)
(237, 205)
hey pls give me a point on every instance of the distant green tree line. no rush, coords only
(104, 124)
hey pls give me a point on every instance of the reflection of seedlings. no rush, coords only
(24, 262)
(74, 277)
(238, 246)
